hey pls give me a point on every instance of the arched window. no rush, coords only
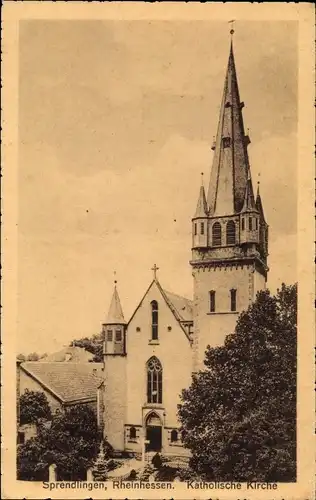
(174, 436)
(154, 380)
(233, 299)
(195, 228)
(154, 320)
(230, 233)
(132, 433)
(217, 234)
(202, 227)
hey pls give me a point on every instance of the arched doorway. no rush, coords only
(153, 432)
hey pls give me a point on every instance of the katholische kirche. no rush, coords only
(149, 359)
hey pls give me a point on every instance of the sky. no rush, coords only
(116, 123)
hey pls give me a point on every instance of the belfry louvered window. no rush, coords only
(217, 234)
(230, 233)
(154, 381)
(154, 320)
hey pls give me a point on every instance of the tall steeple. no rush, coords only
(230, 167)
(229, 232)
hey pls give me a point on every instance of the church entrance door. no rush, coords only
(153, 433)
(154, 438)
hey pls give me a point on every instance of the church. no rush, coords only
(144, 373)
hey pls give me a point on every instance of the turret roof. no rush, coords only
(201, 208)
(115, 315)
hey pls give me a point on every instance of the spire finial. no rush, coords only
(232, 31)
(155, 269)
(202, 176)
(115, 280)
(258, 182)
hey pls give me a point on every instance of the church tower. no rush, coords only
(114, 365)
(229, 231)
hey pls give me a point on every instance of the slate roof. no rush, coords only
(182, 306)
(69, 355)
(68, 382)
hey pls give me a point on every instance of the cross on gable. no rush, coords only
(155, 269)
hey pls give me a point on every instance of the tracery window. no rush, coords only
(154, 380)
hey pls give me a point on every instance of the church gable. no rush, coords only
(162, 310)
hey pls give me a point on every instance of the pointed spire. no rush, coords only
(201, 208)
(230, 167)
(249, 199)
(115, 315)
(259, 205)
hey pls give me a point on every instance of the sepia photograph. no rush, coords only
(157, 254)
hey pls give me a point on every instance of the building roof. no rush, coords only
(72, 354)
(230, 169)
(68, 382)
(201, 208)
(115, 315)
(183, 307)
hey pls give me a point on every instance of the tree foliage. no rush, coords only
(33, 407)
(93, 345)
(239, 414)
(71, 442)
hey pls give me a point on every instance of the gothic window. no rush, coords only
(154, 320)
(242, 224)
(230, 233)
(202, 227)
(195, 228)
(250, 223)
(217, 234)
(110, 335)
(212, 301)
(256, 224)
(118, 335)
(132, 433)
(174, 436)
(154, 381)
(233, 300)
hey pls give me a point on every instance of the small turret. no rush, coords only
(249, 216)
(263, 228)
(200, 221)
(114, 328)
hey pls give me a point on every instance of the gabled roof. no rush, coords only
(68, 382)
(181, 307)
(115, 315)
(72, 354)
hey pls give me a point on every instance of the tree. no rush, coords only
(93, 345)
(71, 442)
(239, 414)
(33, 407)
